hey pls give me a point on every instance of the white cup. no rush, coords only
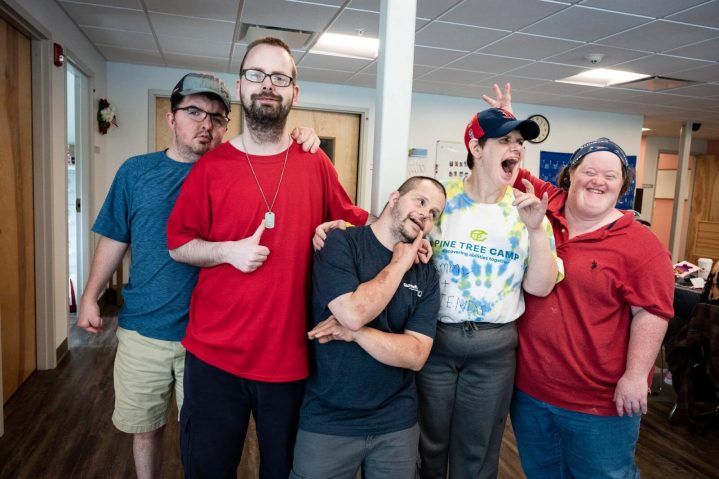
(705, 265)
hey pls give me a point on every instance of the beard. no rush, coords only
(266, 122)
(399, 232)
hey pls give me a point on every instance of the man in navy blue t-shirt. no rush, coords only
(374, 311)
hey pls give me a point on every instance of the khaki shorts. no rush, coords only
(146, 370)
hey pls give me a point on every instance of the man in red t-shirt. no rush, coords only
(246, 214)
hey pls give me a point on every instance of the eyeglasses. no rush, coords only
(258, 76)
(199, 115)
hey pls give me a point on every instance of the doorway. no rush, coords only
(76, 162)
(664, 197)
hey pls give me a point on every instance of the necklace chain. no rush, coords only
(279, 183)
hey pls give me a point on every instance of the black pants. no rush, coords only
(214, 418)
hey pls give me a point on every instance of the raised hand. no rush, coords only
(502, 100)
(306, 138)
(531, 209)
(247, 254)
(405, 254)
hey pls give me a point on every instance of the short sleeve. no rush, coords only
(113, 221)
(191, 216)
(649, 283)
(334, 272)
(424, 317)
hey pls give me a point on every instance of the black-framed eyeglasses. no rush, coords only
(258, 76)
(199, 115)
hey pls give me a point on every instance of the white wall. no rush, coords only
(53, 26)
(654, 146)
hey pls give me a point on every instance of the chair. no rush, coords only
(694, 363)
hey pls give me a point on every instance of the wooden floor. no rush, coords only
(58, 425)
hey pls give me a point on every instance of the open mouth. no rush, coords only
(419, 223)
(508, 165)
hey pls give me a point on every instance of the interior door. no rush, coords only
(703, 230)
(340, 133)
(17, 242)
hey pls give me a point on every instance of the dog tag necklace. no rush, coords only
(269, 215)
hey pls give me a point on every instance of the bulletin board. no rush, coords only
(550, 163)
(451, 160)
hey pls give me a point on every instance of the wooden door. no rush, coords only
(703, 230)
(342, 132)
(17, 242)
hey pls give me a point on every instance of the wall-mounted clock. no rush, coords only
(543, 123)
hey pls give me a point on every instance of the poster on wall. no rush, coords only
(550, 163)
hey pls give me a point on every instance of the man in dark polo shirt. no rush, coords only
(374, 315)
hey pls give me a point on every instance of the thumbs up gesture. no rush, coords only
(247, 254)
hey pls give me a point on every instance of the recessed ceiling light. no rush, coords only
(657, 83)
(602, 77)
(347, 46)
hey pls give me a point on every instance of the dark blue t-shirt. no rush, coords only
(157, 295)
(350, 393)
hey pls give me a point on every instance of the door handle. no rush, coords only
(78, 205)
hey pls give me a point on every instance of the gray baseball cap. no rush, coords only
(193, 83)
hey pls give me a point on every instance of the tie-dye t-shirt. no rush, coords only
(481, 252)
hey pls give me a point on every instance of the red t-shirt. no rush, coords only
(573, 343)
(253, 325)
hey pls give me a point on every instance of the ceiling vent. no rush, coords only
(656, 84)
(295, 39)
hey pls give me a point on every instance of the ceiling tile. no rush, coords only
(194, 46)
(520, 83)
(363, 79)
(706, 14)
(212, 9)
(610, 93)
(701, 90)
(321, 75)
(501, 14)
(586, 24)
(547, 71)
(351, 21)
(708, 50)
(126, 55)
(488, 63)
(301, 16)
(612, 55)
(704, 74)
(659, 36)
(451, 75)
(121, 38)
(434, 57)
(650, 8)
(556, 88)
(194, 62)
(531, 47)
(200, 28)
(371, 5)
(534, 97)
(434, 8)
(133, 4)
(330, 62)
(660, 65)
(444, 88)
(457, 37)
(108, 17)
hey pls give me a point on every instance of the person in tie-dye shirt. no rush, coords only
(491, 244)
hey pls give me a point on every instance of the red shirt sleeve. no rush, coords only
(190, 217)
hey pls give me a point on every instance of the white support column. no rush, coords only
(394, 98)
(680, 191)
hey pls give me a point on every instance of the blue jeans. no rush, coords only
(558, 443)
